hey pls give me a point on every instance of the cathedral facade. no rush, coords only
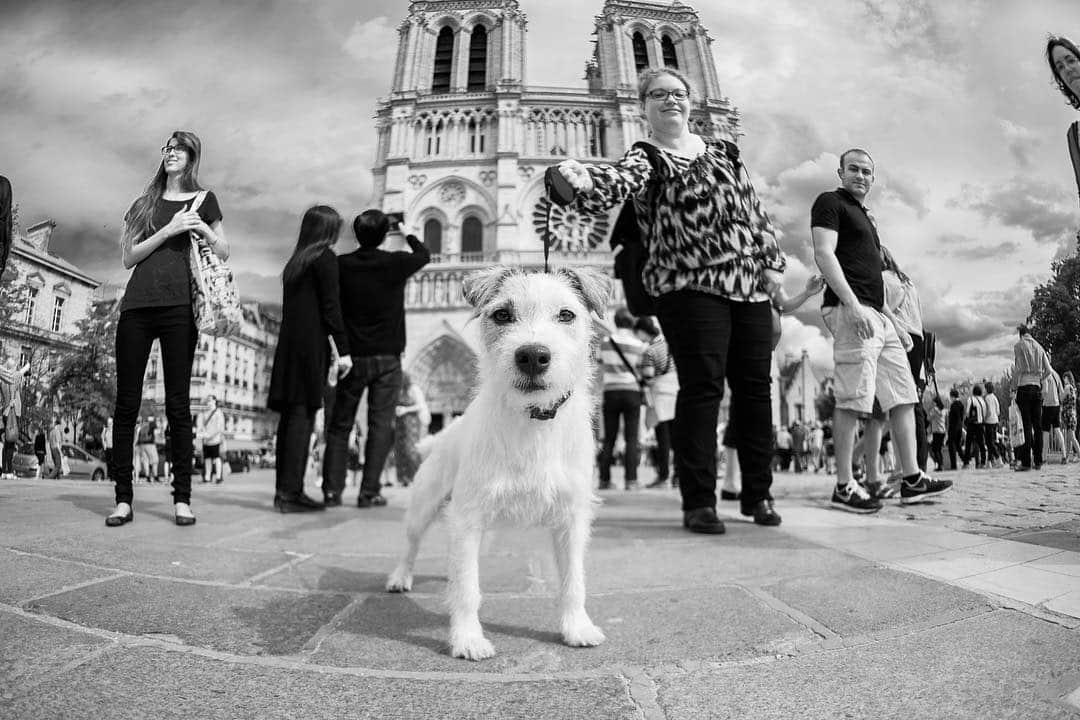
(463, 142)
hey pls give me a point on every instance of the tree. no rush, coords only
(12, 296)
(84, 384)
(1055, 313)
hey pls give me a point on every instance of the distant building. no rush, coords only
(236, 371)
(56, 296)
(797, 388)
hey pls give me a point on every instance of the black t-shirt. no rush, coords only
(163, 278)
(858, 248)
(372, 285)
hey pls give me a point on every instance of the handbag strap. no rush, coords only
(622, 356)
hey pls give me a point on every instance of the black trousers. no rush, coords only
(293, 440)
(663, 449)
(380, 375)
(975, 445)
(1029, 400)
(712, 338)
(8, 456)
(174, 329)
(624, 404)
(915, 360)
(955, 449)
(990, 437)
(936, 449)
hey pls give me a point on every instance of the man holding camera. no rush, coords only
(372, 282)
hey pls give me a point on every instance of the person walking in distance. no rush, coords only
(213, 432)
(1068, 417)
(372, 290)
(870, 358)
(938, 428)
(1051, 414)
(955, 429)
(975, 447)
(56, 439)
(620, 355)
(310, 321)
(1031, 367)
(146, 448)
(990, 426)
(157, 306)
(662, 386)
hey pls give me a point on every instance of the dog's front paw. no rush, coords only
(582, 633)
(399, 581)
(472, 647)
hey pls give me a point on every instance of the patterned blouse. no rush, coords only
(706, 230)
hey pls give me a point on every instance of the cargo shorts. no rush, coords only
(869, 367)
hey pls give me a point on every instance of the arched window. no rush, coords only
(667, 49)
(433, 236)
(444, 57)
(472, 235)
(478, 59)
(641, 54)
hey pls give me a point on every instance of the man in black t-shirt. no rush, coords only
(870, 360)
(372, 282)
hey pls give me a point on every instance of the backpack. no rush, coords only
(973, 411)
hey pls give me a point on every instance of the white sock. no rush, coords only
(183, 510)
(122, 510)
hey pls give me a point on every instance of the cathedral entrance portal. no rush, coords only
(445, 370)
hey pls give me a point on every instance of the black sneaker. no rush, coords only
(922, 489)
(854, 498)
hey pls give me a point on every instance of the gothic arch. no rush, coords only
(428, 197)
(450, 21)
(480, 19)
(445, 369)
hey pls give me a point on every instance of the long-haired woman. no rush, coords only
(157, 305)
(1064, 59)
(310, 311)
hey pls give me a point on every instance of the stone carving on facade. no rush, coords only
(526, 171)
(417, 181)
(452, 192)
(487, 177)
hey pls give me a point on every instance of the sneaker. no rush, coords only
(854, 498)
(923, 488)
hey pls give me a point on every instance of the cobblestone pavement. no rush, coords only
(1042, 506)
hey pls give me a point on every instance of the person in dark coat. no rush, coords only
(310, 314)
(6, 224)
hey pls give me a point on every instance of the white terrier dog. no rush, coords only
(523, 451)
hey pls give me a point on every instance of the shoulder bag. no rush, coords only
(215, 299)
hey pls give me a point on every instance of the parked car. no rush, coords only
(81, 463)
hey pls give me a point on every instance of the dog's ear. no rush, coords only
(593, 286)
(479, 287)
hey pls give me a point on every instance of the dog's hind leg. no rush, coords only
(463, 594)
(570, 542)
(424, 505)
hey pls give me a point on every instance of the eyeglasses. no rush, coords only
(661, 94)
(176, 149)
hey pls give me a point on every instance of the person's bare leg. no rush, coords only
(845, 422)
(902, 418)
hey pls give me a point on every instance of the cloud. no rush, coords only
(1020, 141)
(368, 42)
(1043, 209)
(965, 247)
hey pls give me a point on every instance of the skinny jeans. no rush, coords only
(174, 329)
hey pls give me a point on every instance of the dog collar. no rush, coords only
(538, 413)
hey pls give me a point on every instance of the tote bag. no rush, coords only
(215, 299)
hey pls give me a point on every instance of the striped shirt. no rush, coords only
(617, 376)
(1030, 361)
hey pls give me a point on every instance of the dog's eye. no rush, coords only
(502, 316)
(566, 316)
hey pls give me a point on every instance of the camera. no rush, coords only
(397, 220)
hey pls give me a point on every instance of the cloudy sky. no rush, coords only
(974, 191)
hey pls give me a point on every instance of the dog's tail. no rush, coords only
(425, 445)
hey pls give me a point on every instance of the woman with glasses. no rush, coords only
(713, 264)
(157, 305)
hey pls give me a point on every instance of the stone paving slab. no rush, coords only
(25, 576)
(152, 683)
(868, 599)
(236, 620)
(999, 665)
(409, 632)
(31, 650)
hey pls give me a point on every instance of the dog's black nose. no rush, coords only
(533, 360)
